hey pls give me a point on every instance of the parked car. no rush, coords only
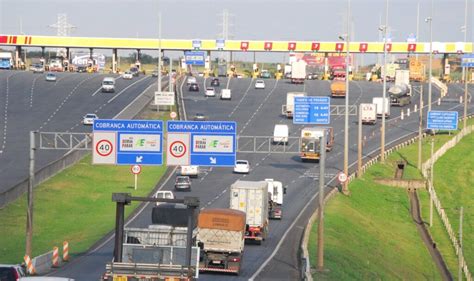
(194, 87)
(89, 118)
(259, 84)
(242, 167)
(182, 183)
(51, 77)
(127, 75)
(199, 117)
(163, 194)
(11, 272)
(191, 80)
(210, 92)
(215, 82)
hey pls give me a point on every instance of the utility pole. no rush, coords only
(460, 254)
(417, 36)
(359, 144)
(63, 28)
(430, 21)
(322, 164)
(384, 90)
(159, 58)
(465, 70)
(465, 36)
(31, 182)
(225, 33)
(346, 116)
(420, 128)
(431, 181)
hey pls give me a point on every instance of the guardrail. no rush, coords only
(442, 87)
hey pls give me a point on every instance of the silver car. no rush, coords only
(182, 183)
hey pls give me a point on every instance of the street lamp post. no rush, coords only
(384, 90)
(346, 117)
(429, 20)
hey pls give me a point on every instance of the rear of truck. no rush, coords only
(289, 107)
(221, 238)
(310, 146)
(338, 89)
(251, 197)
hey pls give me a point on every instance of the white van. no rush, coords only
(192, 171)
(226, 94)
(108, 85)
(281, 133)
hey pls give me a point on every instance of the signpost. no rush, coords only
(442, 120)
(164, 98)
(127, 142)
(195, 58)
(312, 110)
(210, 143)
(342, 177)
(173, 115)
(136, 169)
(467, 60)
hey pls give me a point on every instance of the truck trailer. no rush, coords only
(288, 108)
(298, 72)
(275, 203)
(368, 113)
(251, 197)
(221, 238)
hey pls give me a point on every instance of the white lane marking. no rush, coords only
(117, 95)
(243, 97)
(32, 90)
(182, 99)
(5, 114)
(95, 93)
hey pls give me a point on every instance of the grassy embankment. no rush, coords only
(370, 234)
(75, 205)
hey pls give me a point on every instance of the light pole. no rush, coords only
(464, 69)
(159, 59)
(346, 116)
(429, 20)
(384, 90)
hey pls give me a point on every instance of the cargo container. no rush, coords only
(275, 192)
(368, 113)
(298, 72)
(288, 108)
(251, 197)
(221, 238)
(310, 146)
(391, 71)
(379, 105)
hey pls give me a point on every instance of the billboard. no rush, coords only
(82, 58)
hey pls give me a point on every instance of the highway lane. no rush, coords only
(36, 104)
(300, 178)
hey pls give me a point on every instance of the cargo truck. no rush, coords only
(275, 203)
(310, 146)
(155, 252)
(368, 113)
(221, 238)
(251, 197)
(400, 95)
(379, 106)
(338, 89)
(298, 72)
(6, 60)
(391, 71)
(288, 108)
(222, 70)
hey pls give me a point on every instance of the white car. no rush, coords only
(191, 80)
(192, 171)
(242, 167)
(259, 84)
(89, 119)
(210, 92)
(127, 75)
(51, 77)
(163, 194)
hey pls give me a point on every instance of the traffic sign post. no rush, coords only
(467, 61)
(136, 169)
(126, 142)
(173, 115)
(164, 98)
(442, 120)
(211, 143)
(195, 58)
(312, 110)
(342, 177)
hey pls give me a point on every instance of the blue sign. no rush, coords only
(220, 44)
(211, 143)
(442, 120)
(195, 57)
(467, 60)
(312, 110)
(135, 141)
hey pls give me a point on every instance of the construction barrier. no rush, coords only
(55, 257)
(29, 265)
(65, 251)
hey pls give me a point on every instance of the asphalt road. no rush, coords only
(28, 102)
(256, 112)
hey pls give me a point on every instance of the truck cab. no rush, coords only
(310, 143)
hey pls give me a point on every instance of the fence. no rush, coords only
(437, 203)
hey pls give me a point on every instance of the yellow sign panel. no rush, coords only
(231, 45)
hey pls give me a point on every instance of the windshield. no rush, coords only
(90, 116)
(241, 162)
(108, 82)
(210, 89)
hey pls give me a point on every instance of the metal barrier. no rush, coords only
(43, 263)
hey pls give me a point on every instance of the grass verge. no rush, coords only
(370, 235)
(75, 205)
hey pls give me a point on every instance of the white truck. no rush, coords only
(220, 236)
(368, 113)
(288, 108)
(6, 60)
(402, 76)
(251, 197)
(298, 72)
(276, 192)
(379, 102)
(226, 94)
(310, 146)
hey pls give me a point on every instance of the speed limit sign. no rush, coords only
(136, 169)
(173, 115)
(104, 148)
(178, 149)
(342, 177)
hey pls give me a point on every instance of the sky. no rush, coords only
(322, 20)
